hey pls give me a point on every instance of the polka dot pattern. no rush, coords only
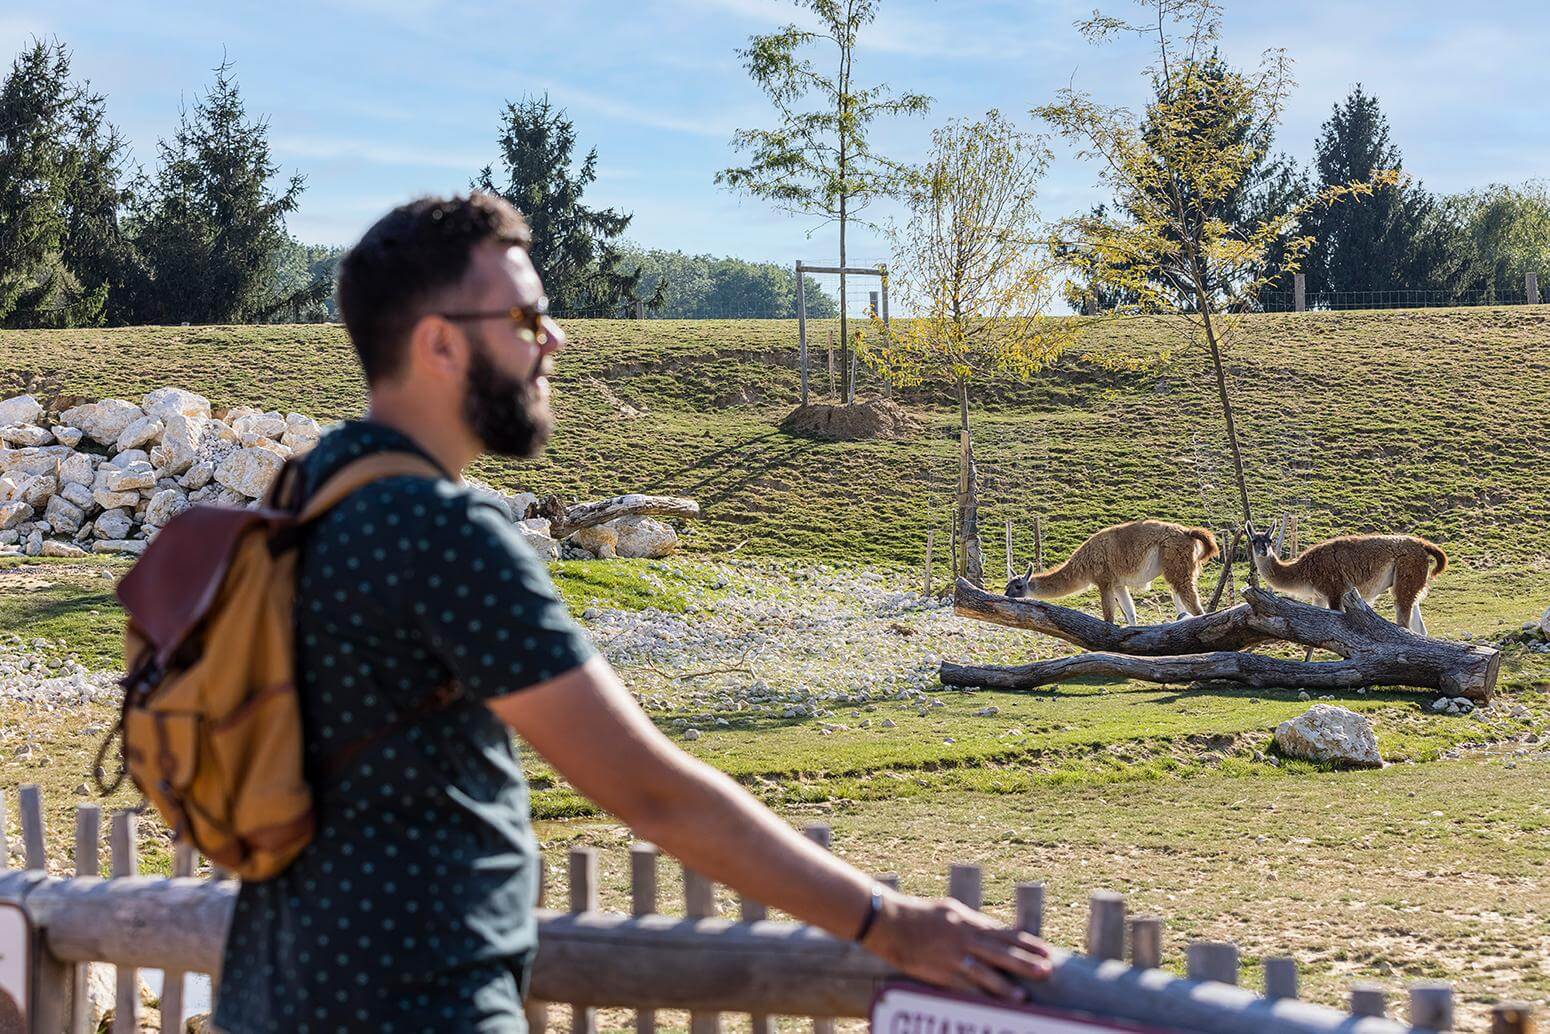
(411, 910)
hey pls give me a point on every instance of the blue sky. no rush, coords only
(378, 100)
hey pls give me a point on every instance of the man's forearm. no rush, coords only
(719, 830)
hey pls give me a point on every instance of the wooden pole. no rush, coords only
(1300, 292)
(1106, 925)
(1146, 942)
(1225, 580)
(183, 856)
(33, 847)
(126, 862)
(802, 326)
(1431, 1005)
(930, 542)
(643, 902)
(1009, 571)
(536, 1010)
(1368, 1000)
(1212, 960)
(1038, 542)
(965, 883)
(832, 389)
(700, 903)
(583, 898)
(1030, 908)
(821, 835)
(1280, 977)
(88, 835)
(1512, 1018)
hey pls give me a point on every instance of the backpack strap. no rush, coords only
(358, 474)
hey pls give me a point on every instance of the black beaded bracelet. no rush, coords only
(874, 906)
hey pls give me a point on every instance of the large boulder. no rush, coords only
(13, 513)
(20, 409)
(102, 421)
(113, 524)
(25, 435)
(264, 425)
(142, 432)
(70, 436)
(63, 515)
(131, 477)
(197, 476)
(535, 532)
(42, 459)
(601, 540)
(1327, 733)
(249, 472)
(1544, 623)
(39, 490)
(301, 433)
(135, 546)
(643, 537)
(79, 468)
(14, 486)
(164, 506)
(77, 493)
(166, 403)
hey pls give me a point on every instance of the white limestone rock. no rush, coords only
(1327, 733)
(166, 403)
(197, 476)
(25, 436)
(135, 546)
(249, 472)
(643, 537)
(20, 409)
(79, 468)
(61, 548)
(64, 516)
(70, 436)
(13, 514)
(164, 506)
(102, 421)
(113, 524)
(143, 431)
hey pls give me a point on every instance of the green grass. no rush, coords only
(1426, 421)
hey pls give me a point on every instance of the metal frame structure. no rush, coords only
(880, 271)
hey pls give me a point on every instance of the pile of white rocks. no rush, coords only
(106, 476)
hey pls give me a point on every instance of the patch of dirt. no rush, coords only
(858, 421)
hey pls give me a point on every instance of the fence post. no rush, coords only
(1146, 942)
(964, 883)
(172, 980)
(643, 902)
(1369, 1000)
(700, 903)
(126, 862)
(885, 294)
(1038, 542)
(583, 898)
(821, 835)
(1300, 292)
(5, 843)
(1531, 287)
(1106, 925)
(537, 1012)
(1030, 908)
(35, 852)
(88, 835)
(1431, 1005)
(1009, 571)
(1280, 977)
(802, 326)
(1212, 960)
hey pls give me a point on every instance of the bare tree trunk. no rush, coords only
(968, 502)
(847, 390)
(1232, 426)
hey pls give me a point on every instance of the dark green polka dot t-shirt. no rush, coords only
(411, 910)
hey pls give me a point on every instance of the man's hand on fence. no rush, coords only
(946, 943)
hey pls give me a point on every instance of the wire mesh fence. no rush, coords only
(1286, 301)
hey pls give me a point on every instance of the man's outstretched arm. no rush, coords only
(587, 726)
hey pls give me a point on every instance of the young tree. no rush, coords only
(208, 225)
(1398, 240)
(575, 248)
(970, 264)
(1172, 171)
(1506, 231)
(819, 161)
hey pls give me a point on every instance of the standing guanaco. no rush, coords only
(1367, 563)
(1124, 557)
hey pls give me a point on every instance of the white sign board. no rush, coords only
(912, 1009)
(15, 967)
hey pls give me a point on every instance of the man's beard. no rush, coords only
(506, 413)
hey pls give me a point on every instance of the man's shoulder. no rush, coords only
(431, 498)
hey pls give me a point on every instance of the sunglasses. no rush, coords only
(529, 323)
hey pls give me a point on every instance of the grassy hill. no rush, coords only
(1428, 421)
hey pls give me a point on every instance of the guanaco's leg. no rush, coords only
(1106, 594)
(1180, 573)
(1126, 604)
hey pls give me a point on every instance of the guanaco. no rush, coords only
(1124, 557)
(1367, 563)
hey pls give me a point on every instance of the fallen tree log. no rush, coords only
(1373, 652)
(565, 520)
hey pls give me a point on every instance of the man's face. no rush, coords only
(506, 397)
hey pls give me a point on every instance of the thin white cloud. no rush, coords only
(377, 154)
(625, 111)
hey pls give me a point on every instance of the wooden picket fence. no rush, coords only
(646, 961)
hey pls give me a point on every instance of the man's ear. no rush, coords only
(436, 349)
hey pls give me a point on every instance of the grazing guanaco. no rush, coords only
(1124, 557)
(1367, 563)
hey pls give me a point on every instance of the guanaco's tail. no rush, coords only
(1437, 554)
(1208, 540)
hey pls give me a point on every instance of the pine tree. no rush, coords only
(1396, 240)
(575, 248)
(51, 151)
(209, 226)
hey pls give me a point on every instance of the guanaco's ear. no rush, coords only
(1030, 570)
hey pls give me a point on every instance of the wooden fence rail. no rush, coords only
(699, 962)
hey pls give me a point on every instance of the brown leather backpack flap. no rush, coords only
(176, 580)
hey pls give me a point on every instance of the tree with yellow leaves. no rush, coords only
(971, 267)
(1165, 246)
